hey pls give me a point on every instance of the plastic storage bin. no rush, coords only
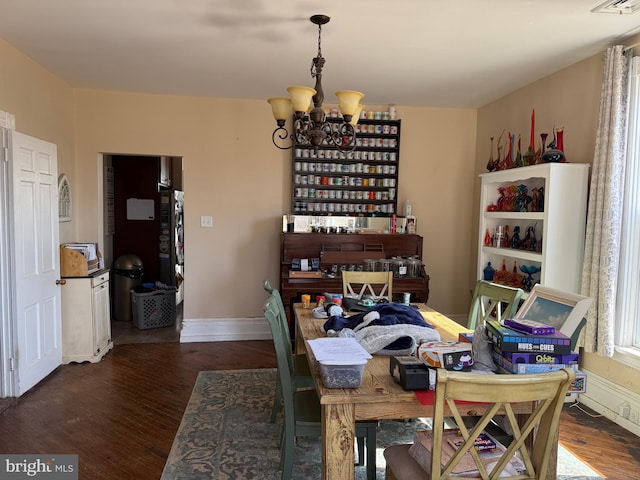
(342, 373)
(153, 309)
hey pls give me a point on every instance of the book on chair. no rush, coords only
(421, 453)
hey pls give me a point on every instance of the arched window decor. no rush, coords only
(64, 199)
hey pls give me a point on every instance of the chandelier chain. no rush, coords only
(316, 61)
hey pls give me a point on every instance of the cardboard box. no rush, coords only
(76, 261)
(447, 355)
(409, 372)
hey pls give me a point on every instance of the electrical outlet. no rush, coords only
(206, 221)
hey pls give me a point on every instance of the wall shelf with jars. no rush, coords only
(362, 182)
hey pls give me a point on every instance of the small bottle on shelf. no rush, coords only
(410, 219)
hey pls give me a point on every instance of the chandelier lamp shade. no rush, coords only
(310, 124)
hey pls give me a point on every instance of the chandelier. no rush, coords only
(310, 125)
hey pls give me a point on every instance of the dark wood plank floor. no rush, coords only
(120, 415)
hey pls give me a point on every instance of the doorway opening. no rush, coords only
(143, 204)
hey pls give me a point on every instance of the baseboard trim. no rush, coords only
(618, 404)
(224, 329)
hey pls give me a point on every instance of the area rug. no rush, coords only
(225, 434)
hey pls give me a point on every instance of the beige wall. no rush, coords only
(43, 108)
(233, 173)
(569, 98)
(437, 175)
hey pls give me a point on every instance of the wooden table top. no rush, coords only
(379, 395)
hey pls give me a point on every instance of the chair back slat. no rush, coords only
(377, 285)
(492, 300)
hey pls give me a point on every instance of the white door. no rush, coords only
(35, 259)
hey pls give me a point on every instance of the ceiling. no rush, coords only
(444, 53)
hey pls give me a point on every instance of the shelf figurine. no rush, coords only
(528, 282)
(515, 238)
(488, 272)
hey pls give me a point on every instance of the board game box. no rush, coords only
(508, 340)
(541, 358)
(529, 326)
(525, 368)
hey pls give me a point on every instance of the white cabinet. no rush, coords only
(557, 219)
(86, 318)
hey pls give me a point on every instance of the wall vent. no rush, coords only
(618, 6)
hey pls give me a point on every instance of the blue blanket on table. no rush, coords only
(386, 329)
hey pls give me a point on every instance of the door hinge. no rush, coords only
(12, 364)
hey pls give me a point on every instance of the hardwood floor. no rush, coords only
(121, 415)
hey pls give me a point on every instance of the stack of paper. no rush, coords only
(338, 348)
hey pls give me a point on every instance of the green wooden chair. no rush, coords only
(492, 299)
(302, 410)
(301, 375)
(576, 334)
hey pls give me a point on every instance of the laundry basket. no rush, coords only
(153, 309)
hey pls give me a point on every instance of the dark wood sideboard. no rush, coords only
(352, 248)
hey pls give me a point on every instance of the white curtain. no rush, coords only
(604, 214)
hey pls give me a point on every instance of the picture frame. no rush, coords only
(562, 310)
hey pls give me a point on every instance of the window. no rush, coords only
(628, 295)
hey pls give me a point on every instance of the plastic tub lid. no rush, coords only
(354, 361)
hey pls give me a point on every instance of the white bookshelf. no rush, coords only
(560, 226)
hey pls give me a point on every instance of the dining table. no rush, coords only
(379, 396)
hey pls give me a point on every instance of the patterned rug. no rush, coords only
(225, 433)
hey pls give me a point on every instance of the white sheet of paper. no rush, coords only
(338, 348)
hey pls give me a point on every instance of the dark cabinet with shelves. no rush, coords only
(361, 182)
(352, 248)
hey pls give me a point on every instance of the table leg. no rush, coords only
(338, 437)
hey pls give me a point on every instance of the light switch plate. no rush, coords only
(206, 221)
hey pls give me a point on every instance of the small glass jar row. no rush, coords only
(304, 192)
(344, 180)
(326, 207)
(377, 129)
(376, 142)
(380, 169)
(304, 153)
